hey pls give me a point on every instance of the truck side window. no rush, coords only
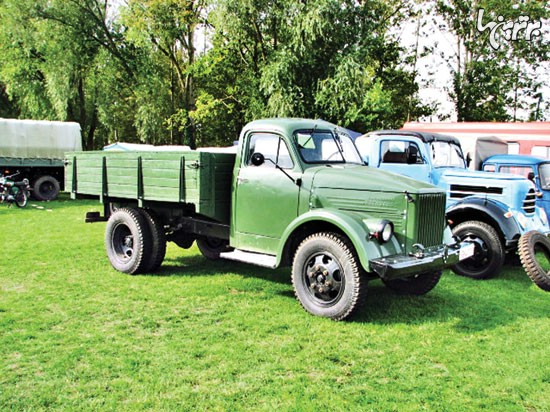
(273, 148)
(397, 151)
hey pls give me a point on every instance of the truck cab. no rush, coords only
(492, 210)
(536, 169)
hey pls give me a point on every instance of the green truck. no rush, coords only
(36, 148)
(294, 193)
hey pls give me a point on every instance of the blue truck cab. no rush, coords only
(536, 169)
(493, 210)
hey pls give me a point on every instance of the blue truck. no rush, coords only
(492, 210)
(534, 250)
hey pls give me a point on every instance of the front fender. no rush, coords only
(509, 227)
(352, 225)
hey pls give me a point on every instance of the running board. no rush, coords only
(259, 259)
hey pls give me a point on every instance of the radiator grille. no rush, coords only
(430, 217)
(462, 191)
(529, 202)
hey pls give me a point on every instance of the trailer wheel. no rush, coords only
(534, 253)
(211, 247)
(489, 254)
(327, 277)
(128, 241)
(414, 285)
(46, 188)
(158, 240)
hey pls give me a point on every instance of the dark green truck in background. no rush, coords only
(295, 194)
(36, 149)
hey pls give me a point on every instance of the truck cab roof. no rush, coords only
(519, 160)
(426, 137)
(289, 125)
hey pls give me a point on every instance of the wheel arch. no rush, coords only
(488, 212)
(347, 224)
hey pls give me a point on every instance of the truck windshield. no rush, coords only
(325, 146)
(447, 154)
(544, 175)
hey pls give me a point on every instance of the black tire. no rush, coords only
(211, 247)
(489, 253)
(534, 253)
(21, 198)
(327, 277)
(46, 188)
(414, 285)
(128, 241)
(158, 240)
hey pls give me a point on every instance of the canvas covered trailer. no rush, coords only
(36, 149)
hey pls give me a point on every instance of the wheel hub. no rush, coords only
(324, 278)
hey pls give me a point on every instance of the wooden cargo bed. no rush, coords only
(199, 178)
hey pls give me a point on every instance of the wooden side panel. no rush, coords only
(199, 178)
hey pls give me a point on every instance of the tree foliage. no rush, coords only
(195, 71)
(496, 65)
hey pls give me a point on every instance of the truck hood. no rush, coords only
(511, 190)
(364, 178)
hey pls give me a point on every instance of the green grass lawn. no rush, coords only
(217, 336)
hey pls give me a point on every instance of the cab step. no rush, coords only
(259, 259)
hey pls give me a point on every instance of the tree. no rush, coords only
(54, 52)
(495, 63)
(322, 58)
(166, 30)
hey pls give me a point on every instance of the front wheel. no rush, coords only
(327, 277)
(488, 256)
(414, 285)
(534, 253)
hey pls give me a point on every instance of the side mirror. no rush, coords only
(257, 159)
(531, 176)
(468, 159)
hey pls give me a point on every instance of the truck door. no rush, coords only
(266, 200)
(405, 158)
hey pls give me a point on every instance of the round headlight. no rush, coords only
(385, 231)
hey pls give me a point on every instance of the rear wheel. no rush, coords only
(414, 285)
(488, 256)
(128, 241)
(534, 253)
(211, 247)
(46, 188)
(21, 198)
(158, 241)
(327, 277)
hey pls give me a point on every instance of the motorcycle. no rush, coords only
(14, 192)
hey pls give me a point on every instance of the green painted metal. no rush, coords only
(269, 206)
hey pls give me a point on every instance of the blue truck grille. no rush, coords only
(529, 202)
(430, 212)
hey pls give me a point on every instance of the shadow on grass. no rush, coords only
(470, 305)
(197, 265)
